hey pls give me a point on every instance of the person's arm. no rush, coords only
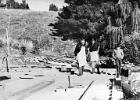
(113, 54)
(77, 49)
(122, 53)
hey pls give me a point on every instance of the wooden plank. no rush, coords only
(85, 91)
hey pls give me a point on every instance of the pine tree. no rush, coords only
(27, 6)
(76, 20)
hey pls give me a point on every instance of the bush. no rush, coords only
(132, 49)
(23, 50)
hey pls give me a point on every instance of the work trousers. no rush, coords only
(118, 66)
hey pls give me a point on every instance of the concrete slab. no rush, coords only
(117, 93)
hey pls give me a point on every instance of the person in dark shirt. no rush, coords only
(94, 56)
(93, 47)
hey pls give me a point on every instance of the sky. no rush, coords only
(43, 5)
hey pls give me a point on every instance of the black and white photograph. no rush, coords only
(69, 49)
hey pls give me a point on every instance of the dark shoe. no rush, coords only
(98, 73)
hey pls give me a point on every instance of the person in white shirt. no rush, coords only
(80, 53)
(118, 55)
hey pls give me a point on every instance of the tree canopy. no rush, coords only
(75, 21)
(91, 18)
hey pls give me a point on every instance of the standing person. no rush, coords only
(118, 55)
(80, 53)
(94, 56)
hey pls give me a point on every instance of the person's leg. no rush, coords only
(98, 70)
(117, 68)
(92, 67)
(80, 71)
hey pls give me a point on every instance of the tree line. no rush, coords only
(12, 4)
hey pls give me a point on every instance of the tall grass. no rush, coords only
(30, 30)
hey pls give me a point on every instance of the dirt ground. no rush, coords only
(31, 84)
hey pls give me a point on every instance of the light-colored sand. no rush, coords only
(53, 85)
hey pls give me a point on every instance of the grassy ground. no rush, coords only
(31, 25)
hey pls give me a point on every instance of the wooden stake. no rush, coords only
(69, 81)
